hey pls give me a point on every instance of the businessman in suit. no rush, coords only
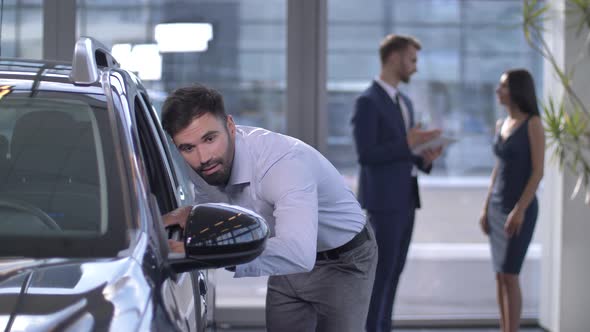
(384, 134)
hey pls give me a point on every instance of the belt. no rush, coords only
(356, 241)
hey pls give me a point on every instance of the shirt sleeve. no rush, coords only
(290, 186)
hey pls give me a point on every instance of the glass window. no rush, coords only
(55, 194)
(52, 164)
(495, 40)
(492, 12)
(244, 58)
(22, 29)
(426, 11)
(458, 69)
(364, 36)
(357, 11)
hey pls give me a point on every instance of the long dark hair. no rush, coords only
(522, 90)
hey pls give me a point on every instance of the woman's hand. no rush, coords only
(514, 222)
(483, 223)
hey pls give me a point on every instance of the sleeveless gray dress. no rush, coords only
(512, 175)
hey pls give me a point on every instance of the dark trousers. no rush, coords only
(333, 297)
(393, 232)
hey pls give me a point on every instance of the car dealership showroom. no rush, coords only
(107, 222)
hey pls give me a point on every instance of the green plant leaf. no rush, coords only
(567, 120)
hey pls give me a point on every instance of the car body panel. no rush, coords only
(84, 180)
(69, 293)
(132, 290)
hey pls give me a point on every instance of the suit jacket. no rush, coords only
(385, 181)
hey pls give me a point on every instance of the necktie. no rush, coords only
(404, 110)
(406, 118)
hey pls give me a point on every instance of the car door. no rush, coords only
(169, 195)
(204, 280)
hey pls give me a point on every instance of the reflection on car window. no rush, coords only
(183, 172)
(52, 173)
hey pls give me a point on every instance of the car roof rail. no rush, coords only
(89, 55)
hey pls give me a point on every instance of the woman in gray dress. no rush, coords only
(510, 209)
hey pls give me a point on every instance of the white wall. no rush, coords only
(565, 291)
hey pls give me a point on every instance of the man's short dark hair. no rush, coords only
(188, 103)
(396, 43)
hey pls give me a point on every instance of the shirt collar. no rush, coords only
(242, 165)
(390, 89)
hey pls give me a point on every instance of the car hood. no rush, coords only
(68, 295)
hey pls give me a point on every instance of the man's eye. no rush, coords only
(187, 148)
(209, 139)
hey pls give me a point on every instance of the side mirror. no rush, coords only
(220, 235)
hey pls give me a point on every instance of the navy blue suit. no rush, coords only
(387, 190)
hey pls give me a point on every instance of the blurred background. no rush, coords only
(241, 47)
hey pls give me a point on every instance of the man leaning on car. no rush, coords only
(322, 255)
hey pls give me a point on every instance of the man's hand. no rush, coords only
(177, 217)
(176, 246)
(429, 155)
(417, 136)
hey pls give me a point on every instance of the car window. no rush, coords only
(56, 149)
(53, 173)
(183, 174)
(180, 169)
(159, 171)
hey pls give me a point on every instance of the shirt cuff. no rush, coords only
(246, 270)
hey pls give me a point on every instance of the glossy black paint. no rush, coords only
(219, 234)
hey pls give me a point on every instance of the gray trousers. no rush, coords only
(333, 297)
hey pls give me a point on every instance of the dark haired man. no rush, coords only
(384, 134)
(321, 257)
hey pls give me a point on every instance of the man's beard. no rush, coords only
(219, 178)
(405, 78)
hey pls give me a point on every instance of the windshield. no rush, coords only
(54, 149)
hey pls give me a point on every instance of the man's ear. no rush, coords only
(394, 58)
(231, 125)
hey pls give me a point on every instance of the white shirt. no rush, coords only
(298, 191)
(392, 92)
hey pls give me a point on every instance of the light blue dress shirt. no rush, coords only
(302, 196)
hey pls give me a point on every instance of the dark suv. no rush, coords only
(86, 172)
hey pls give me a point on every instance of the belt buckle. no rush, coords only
(327, 255)
(323, 255)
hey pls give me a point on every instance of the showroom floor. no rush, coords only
(446, 329)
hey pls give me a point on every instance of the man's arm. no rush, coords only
(177, 217)
(421, 164)
(291, 188)
(370, 149)
(425, 159)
